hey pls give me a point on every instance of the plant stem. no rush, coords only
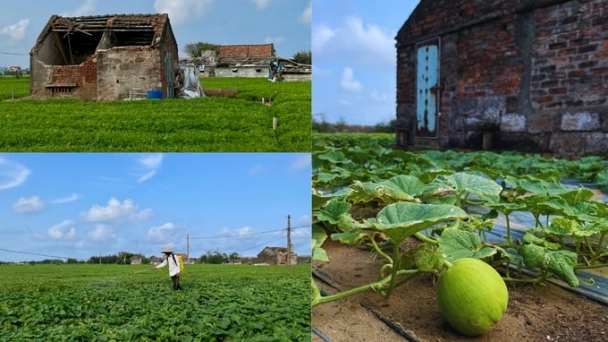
(526, 280)
(425, 238)
(376, 286)
(379, 251)
(447, 263)
(395, 269)
(344, 294)
(582, 267)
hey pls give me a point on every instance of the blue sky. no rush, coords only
(80, 205)
(286, 23)
(354, 58)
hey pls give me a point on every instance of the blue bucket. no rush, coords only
(155, 94)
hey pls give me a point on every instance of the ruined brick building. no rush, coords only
(528, 75)
(104, 57)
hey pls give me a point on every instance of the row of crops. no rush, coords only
(135, 303)
(13, 88)
(215, 124)
(368, 194)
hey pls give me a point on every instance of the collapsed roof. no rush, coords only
(79, 37)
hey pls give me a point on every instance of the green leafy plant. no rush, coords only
(367, 194)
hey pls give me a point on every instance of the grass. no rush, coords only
(213, 124)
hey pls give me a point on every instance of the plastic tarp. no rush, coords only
(191, 86)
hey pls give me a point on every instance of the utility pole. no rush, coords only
(187, 248)
(288, 240)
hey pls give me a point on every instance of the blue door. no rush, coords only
(427, 88)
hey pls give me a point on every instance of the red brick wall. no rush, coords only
(540, 73)
(83, 75)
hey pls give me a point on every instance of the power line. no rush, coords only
(243, 235)
(14, 54)
(29, 253)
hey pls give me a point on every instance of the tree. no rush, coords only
(302, 57)
(196, 49)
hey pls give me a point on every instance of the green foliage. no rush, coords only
(13, 87)
(302, 57)
(211, 124)
(366, 193)
(196, 49)
(133, 303)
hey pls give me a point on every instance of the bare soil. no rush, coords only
(536, 312)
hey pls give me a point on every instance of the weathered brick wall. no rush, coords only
(539, 74)
(83, 75)
(121, 69)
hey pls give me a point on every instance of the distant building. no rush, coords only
(246, 60)
(135, 260)
(276, 256)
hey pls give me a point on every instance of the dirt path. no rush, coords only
(535, 312)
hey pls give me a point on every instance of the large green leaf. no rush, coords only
(533, 239)
(559, 262)
(334, 157)
(333, 210)
(365, 192)
(576, 228)
(537, 186)
(402, 219)
(318, 237)
(457, 244)
(403, 187)
(462, 182)
(601, 179)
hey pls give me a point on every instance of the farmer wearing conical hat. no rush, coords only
(174, 267)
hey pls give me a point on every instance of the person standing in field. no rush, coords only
(174, 266)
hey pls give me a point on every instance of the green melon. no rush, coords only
(472, 296)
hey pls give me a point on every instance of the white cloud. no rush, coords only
(16, 31)
(28, 205)
(181, 11)
(302, 162)
(348, 81)
(149, 166)
(276, 40)
(377, 96)
(113, 211)
(62, 231)
(142, 216)
(70, 198)
(321, 35)
(306, 16)
(101, 233)
(12, 174)
(261, 4)
(365, 44)
(160, 234)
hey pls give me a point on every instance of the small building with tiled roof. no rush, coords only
(104, 57)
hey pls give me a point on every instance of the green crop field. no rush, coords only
(211, 124)
(14, 88)
(69, 302)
